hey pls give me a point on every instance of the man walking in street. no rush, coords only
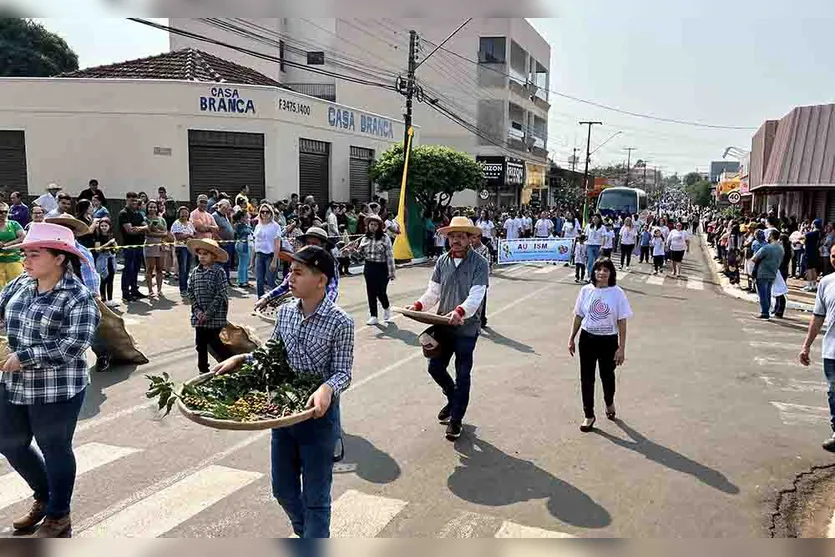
(458, 284)
(768, 259)
(824, 306)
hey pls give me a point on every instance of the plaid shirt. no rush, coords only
(207, 290)
(50, 333)
(378, 251)
(322, 343)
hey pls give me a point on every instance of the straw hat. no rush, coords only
(375, 217)
(43, 235)
(460, 224)
(52, 186)
(209, 245)
(318, 233)
(78, 227)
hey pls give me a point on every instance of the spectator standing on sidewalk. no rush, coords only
(768, 260)
(226, 233)
(133, 226)
(781, 289)
(243, 233)
(18, 211)
(205, 226)
(49, 200)
(11, 233)
(92, 191)
(814, 265)
(63, 207)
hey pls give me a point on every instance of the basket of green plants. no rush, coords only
(262, 394)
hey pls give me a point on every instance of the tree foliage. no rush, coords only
(435, 173)
(612, 171)
(691, 178)
(27, 49)
(699, 193)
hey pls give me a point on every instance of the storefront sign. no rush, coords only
(514, 172)
(228, 100)
(530, 250)
(493, 169)
(294, 107)
(345, 119)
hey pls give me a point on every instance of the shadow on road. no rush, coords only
(95, 396)
(669, 458)
(366, 461)
(498, 338)
(488, 476)
(395, 332)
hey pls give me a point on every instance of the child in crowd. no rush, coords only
(646, 239)
(608, 240)
(658, 250)
(105, 258)
(440, 244)
(580, 255)
(209, 297)
(243, 232)
(344, 255)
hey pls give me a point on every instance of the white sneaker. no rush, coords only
(372, 321)
(387, 316)
(112, 304)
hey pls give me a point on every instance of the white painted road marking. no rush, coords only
(795, 385)
(88, 457)
(167, 509)
(766, 361)
(513, 530)
(799, 414)
(357, 515)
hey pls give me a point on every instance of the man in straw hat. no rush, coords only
(207, 291)
(319, 337)
(458, 284)
(49, 200)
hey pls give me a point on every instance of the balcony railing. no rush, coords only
(326, 91)
(514, 133)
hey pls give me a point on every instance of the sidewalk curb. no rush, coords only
(730, 290)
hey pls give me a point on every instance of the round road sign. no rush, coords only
(734, 197)
(484, 194)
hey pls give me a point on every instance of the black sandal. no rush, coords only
(610, 414)
(587, 427)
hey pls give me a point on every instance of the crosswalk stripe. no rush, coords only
(357, 515)
(88, 457)
(513, 530)
(800, 414)
(695, 284)
(794, 385)
(655, 280)
(167, 509)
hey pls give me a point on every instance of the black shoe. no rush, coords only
(763, 317)
(587, 425)
(127, 298)
(453, 431)
(139, 296)
(103, 363)
(444, 414)
(829, 445)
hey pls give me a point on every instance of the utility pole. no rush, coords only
(574, 159)
(586, 171)
(628, 162)
(410, 88)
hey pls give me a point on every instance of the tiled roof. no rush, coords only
(188, 64)
(803, 153)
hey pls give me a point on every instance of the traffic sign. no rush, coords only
(734, 197)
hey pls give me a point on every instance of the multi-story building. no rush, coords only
(485, 92)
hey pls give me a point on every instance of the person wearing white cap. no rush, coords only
(49, 200)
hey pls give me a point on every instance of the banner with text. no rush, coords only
(535, 250)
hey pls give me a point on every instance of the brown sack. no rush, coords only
(238, 340)
(120, 343)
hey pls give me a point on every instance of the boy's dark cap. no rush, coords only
(317, 258)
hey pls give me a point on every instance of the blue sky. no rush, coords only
(711, 62)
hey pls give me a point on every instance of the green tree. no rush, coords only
(435, 173)
(29, 50)
(699, 193)
(691, 178)
(612, 171)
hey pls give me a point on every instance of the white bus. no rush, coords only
(621, 201)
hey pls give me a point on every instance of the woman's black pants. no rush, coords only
(376, 285)
(597, 351)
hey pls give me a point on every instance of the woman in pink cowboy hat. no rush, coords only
(51, 319)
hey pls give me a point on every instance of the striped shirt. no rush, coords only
(378, 251)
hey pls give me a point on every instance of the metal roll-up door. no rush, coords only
(819, 209)
(314, 171)
(830, 208)
(13, 175)
(226, 161)
(361, 188)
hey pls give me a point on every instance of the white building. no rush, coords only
(493, 74)
(191, 122)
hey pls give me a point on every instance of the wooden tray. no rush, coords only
(422, 316)
(214, 423)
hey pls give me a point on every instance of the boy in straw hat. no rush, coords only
(207, 290)
(458, 285)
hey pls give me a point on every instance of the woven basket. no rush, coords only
(268, 313)
(214, 423)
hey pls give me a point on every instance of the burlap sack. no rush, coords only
(238, 340)
(120, 343)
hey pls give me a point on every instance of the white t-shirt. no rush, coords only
(568, 230)
(678, 240)
(543, 228)
(265, 235)
(825, 307)
(527, 223)
(601, 309)
(658, 248)
(486, 227)
(665, 232)
(608, 238)
(513, 227)
(594, 236)
(628, 235)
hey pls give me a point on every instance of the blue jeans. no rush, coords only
(51, 476)
(230, 253)
(829, 371)
(457, 392)
(242, 249)
(263, 275)
(764, 292)
(183, 267)
(130, 274)
(591, 255)
(302, 472)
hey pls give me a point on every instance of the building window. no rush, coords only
(315, 58)
(491, 50)
(281, 56)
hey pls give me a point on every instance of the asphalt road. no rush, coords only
(716, 418)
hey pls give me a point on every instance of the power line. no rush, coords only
(443, 42)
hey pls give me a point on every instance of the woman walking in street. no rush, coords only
(679, 242)
(594, 239)
(376, 248)
(183, 231)
(51, 319)
(628, 236)
(600, 315)
(157, 230)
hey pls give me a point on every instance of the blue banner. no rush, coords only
(535, 250)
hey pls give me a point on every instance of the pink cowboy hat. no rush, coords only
(43, 235)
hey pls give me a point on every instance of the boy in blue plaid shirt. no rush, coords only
(207, 291)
